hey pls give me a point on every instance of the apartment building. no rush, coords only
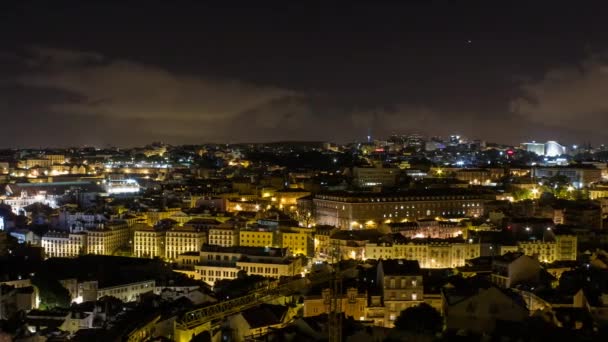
(429, 253)
(179, 240)
(401, 284)
(109, 238)
(63, 244)
(149, 242)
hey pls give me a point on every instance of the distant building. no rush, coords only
(578, 176)
(428, 253)
(365, 177)
(534, 147)
(360, 210)
(215, 263)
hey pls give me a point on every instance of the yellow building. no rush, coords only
(224, 236)
(256, 238)
(563, 248)
(107, 240)
(56, 158)
(428, 253)
(153, 216)
(215, 263)
(180, 240)
(352, 304)
(149, 242)
(298, 242)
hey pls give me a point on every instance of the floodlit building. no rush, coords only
(63, 244)
(214, 263)
(183, 239)
(149, 242)
(428, 253)
(257, 238)
(224, 236)
(108, 239)
(360, 210)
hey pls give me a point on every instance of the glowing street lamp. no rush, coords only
(534, 192)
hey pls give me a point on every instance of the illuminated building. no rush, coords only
(79, 220)
(352, 210)
(108, 239)
(224, 236)
(428, 253)
(347, 244)
(479, 176)
(578, 176)
(352, 303)
(153, 216)
(289, 197)
(548, 149)
(401, 284)
(90, 291)
(558, 247)
(63, 245)
(365, 177)
(553, 149)
(242, 204)
(214, 263)
(183, 239)
(121, 186)
(428, 228)
(18, 203)
(20, 195)
(298, 242)
(149, 242)
(534, 147)
(322, 240)
(256, 238)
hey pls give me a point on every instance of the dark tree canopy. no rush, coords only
(422, 318)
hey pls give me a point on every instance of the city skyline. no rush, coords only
(200, 73)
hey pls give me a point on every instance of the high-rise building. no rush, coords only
(534, 147)
(554, 149)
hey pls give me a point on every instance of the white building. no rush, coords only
(63, 245)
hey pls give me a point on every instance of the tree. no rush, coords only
(421, 318)
(52, 293)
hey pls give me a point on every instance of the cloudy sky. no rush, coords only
(76, 73)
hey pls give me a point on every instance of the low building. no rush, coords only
(515, 268)
(352, 303)
(477, 310)
(215, 263)
(125, 292)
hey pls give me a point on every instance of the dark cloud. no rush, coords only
(105, 73)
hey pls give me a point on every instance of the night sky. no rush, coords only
(128, 74)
